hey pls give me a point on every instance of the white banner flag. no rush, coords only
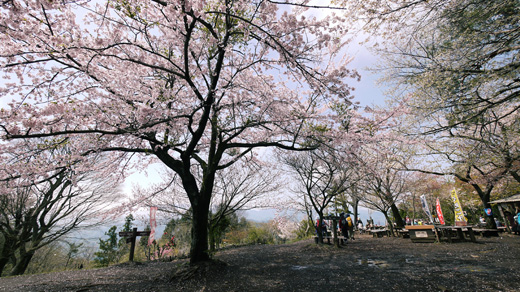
(153, 224)
(426, 208)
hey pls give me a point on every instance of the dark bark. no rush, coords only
(485, 196)
(3, 262)
(397, 216)
(490, 220)
(355, 205)
(515, 175)
(7, 253)
(199, 200)
(199, 232)
(23, 262)
(390, 223)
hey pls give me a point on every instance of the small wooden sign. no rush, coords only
(130, 233)
(130, 238)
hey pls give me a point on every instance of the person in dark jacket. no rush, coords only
(343, 226)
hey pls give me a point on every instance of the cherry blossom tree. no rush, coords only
(469, 162)
(384, 182)
(196, 85)
(34, 214)
(455, 58)
(322, 175)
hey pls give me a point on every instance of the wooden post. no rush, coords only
(132, 244)
(436, 233)
(506, 220)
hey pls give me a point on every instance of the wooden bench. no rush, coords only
(342, 239)
(485, 232)
(378, 232)
(403, 233)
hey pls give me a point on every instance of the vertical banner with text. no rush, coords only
(459, 214)
(426, 208)
(439, 212)
(153, 224)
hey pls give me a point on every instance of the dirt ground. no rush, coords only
(365, 264)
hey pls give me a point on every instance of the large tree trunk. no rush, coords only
(3, 262)
(397, 216)
(490, 220)
(485, 196)
(7, 252)
(214, 236)
(23, 263)
(355, 206)
(199, 231)
(390, 223)
(199, 200)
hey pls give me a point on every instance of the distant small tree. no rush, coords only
(217, 228)
(108, 249)
(72, 252)
(260, 234)
(305, 229)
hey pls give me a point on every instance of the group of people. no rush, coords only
(417, 221)
(346, 226)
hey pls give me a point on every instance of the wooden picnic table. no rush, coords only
(422, 233)
(460, 233)
(432, 233)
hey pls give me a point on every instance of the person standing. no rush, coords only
(323, 227)
(343, 226)
(350, 227)
(360, 225)
(510, 220)
(517, 222)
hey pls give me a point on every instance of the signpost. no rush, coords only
(130, 237)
